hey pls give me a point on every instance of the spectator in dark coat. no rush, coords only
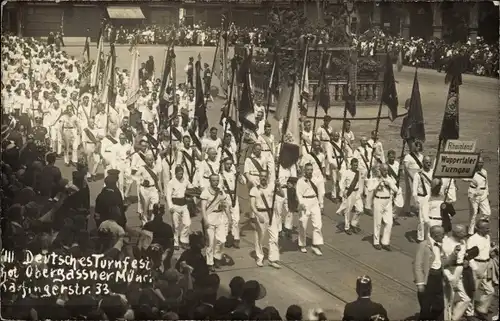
(50, 177)
(109, 197)
(150, 67)
(364, 309)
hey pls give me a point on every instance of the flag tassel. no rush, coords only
(226, 123)
(320, 87)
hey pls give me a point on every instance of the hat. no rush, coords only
(327, 118)
(363, 284)
(254, 290)
(113, 172)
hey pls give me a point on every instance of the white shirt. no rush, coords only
(436, 264)
(345, 182)
(176, 189)
(309, 158)
(484, 245)
(363, 155)
(306, 193)
(419, 189)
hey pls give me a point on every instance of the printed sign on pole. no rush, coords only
(460, 146)
(455, 165)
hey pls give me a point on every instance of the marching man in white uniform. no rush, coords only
(324, 132)
(317, 159)
(176, 201)
(336, 163)
(412, 163)
(91, 148)
(228, 180)
(478, 193)
(69, 132)
(208, 167)
(383, 194)
(363, 154)
(266, 219)
(256, 164)
(351, 190)
(310, 207)
(393, 169)
(215, 210)
(266, 141)
(122, 152)
(422, 182)
(150, 188)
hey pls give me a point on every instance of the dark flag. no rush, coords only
(413, 123)
(350, 89)
(324, 92)
(246, 110)
(389, 93)
(200, 105)
(450, 125)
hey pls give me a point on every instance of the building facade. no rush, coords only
(452, 20)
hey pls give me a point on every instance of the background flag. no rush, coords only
(86, 50)
(324, 91)
(220, 64)
(413, 123)
(389, 93)
(94, 78)
(165, 88)
(290, 151)
(350, 92)
(200, 105)
(274, 82)
(133, 82)
(246, 109)
(305, 86)
(450, 126)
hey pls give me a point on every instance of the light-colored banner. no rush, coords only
(455, 165)
(460, 146)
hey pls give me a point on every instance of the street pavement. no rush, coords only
(329, 281)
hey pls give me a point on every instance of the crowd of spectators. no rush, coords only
(482, 58)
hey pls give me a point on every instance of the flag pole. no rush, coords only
(377, 125)
(284, 130)
(269, 94)
(217, 48)
(320, 84)
(230, 98)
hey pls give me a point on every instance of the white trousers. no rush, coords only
(286, 217)
(181, 223)
(216, 232)
(148, 196)
(456, 300)
(351, 207)
(71, 142)
(271, 230)
(484, 290)
(233, 225)
(382, 213)
(477, 207)
(312, 212)
(55, 139)
(423, 217)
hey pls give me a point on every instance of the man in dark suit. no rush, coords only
(428, 272)
(109, 197)
(364, 309)
(50, 177)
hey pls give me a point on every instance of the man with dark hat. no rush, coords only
(364, 308)
(109, 197)
(189, 72)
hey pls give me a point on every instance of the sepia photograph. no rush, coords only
(250, 160)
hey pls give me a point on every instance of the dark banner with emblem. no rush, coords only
(450, 126)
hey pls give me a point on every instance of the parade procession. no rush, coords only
(299, 155)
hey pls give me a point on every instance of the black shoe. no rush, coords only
(176, 248)
(356, 229)
(217, 264)
(236, 244)
(377, 247)
(228, 244)
(387, 248)
(396, 222)
(211, 268)
(348, 232)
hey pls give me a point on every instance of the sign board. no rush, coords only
(455, 165)
(460, 146)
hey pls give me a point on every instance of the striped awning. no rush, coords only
(116, 12)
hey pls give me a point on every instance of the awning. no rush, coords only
(125, 13)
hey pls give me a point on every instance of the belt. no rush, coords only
(217, 211)
(482, 261)
(421, 195)
(483, 188)
(206, 177)
(355, 190)
(266, 150)
(68, 127)
(382, 197)
(254, 174)
(262, 210)
(311, 196)
(179, 201)
(324, 140)
(436, 218)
